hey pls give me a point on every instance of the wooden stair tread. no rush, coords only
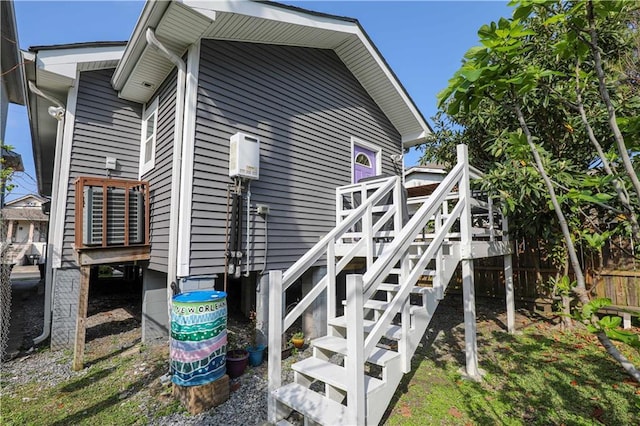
(396, 287)
(389, 287)
(393, 330)
(332, 374)
(378, 305)
(338, 345)
(313, 405)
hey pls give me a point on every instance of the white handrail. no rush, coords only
(400, 245)
(403, 240)
(313, 255)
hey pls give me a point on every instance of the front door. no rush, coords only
(365, 163)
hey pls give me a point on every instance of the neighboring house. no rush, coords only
(422, 180)
(163, 107)
(26, 226)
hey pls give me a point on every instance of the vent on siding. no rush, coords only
(93, 219)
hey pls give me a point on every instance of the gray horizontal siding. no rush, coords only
(305, 106)
(160, 176)
(105, 125)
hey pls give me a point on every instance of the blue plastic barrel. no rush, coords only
(198, 337)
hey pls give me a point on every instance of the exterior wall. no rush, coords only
(105, 126)
(305, 106)
(155, 317)
(66, 288)
(160, 176)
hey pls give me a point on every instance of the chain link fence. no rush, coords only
(5, 288)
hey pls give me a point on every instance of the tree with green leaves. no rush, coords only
(546, 107)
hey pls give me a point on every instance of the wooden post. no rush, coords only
(81, 319)
(354, 361)
(508, 280)
(468, 291)
(275, 342)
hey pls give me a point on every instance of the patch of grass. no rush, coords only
(541, 377)
(114, 390)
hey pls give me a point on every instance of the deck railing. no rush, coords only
(111, 212)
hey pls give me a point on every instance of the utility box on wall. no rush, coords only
(244, 156)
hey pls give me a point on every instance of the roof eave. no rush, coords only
(413, 131)
(149, 18)
(12, 67)
(73, 57)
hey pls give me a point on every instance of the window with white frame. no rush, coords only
(148, 139)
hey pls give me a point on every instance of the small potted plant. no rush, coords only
(237, 358)
(256, 351)
(298, 339)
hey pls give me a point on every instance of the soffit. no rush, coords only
(179, 27)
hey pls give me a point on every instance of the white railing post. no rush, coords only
(492, 231)
(508, 279)
(339, 206)
(367, 234)
(471, 345)
(438, 279)
(331, 285)
(354, 361)
(400, 203)
(275, 342)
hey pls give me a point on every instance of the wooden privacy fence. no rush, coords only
(614, 274)
(622, 287)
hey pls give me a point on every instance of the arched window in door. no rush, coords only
(363, 160)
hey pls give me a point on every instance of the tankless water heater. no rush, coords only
(244, 156)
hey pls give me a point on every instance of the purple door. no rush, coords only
(364, 163)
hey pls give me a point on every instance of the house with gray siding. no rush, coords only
(161, 109)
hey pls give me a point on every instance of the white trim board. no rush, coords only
(144, 168)
(188, 158)
(65, 170)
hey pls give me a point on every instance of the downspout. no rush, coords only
(174, 221)
(58, 113)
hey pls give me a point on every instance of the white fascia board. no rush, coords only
(414, 139)
(65, 62)
(407, 140)
(188, 158)
(271, 12)
(65, 168)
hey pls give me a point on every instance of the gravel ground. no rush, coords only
(247, 404)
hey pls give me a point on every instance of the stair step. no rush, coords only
(338, 345)
(284, 422)
(377, 305)
(394, 330)
(332, 374)
(396, 288)
(389, 287)
(313, 405)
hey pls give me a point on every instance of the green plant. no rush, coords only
(298, 335)
(609, 325)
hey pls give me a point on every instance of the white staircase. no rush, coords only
(373, 333)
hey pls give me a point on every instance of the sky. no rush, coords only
(422, 41)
